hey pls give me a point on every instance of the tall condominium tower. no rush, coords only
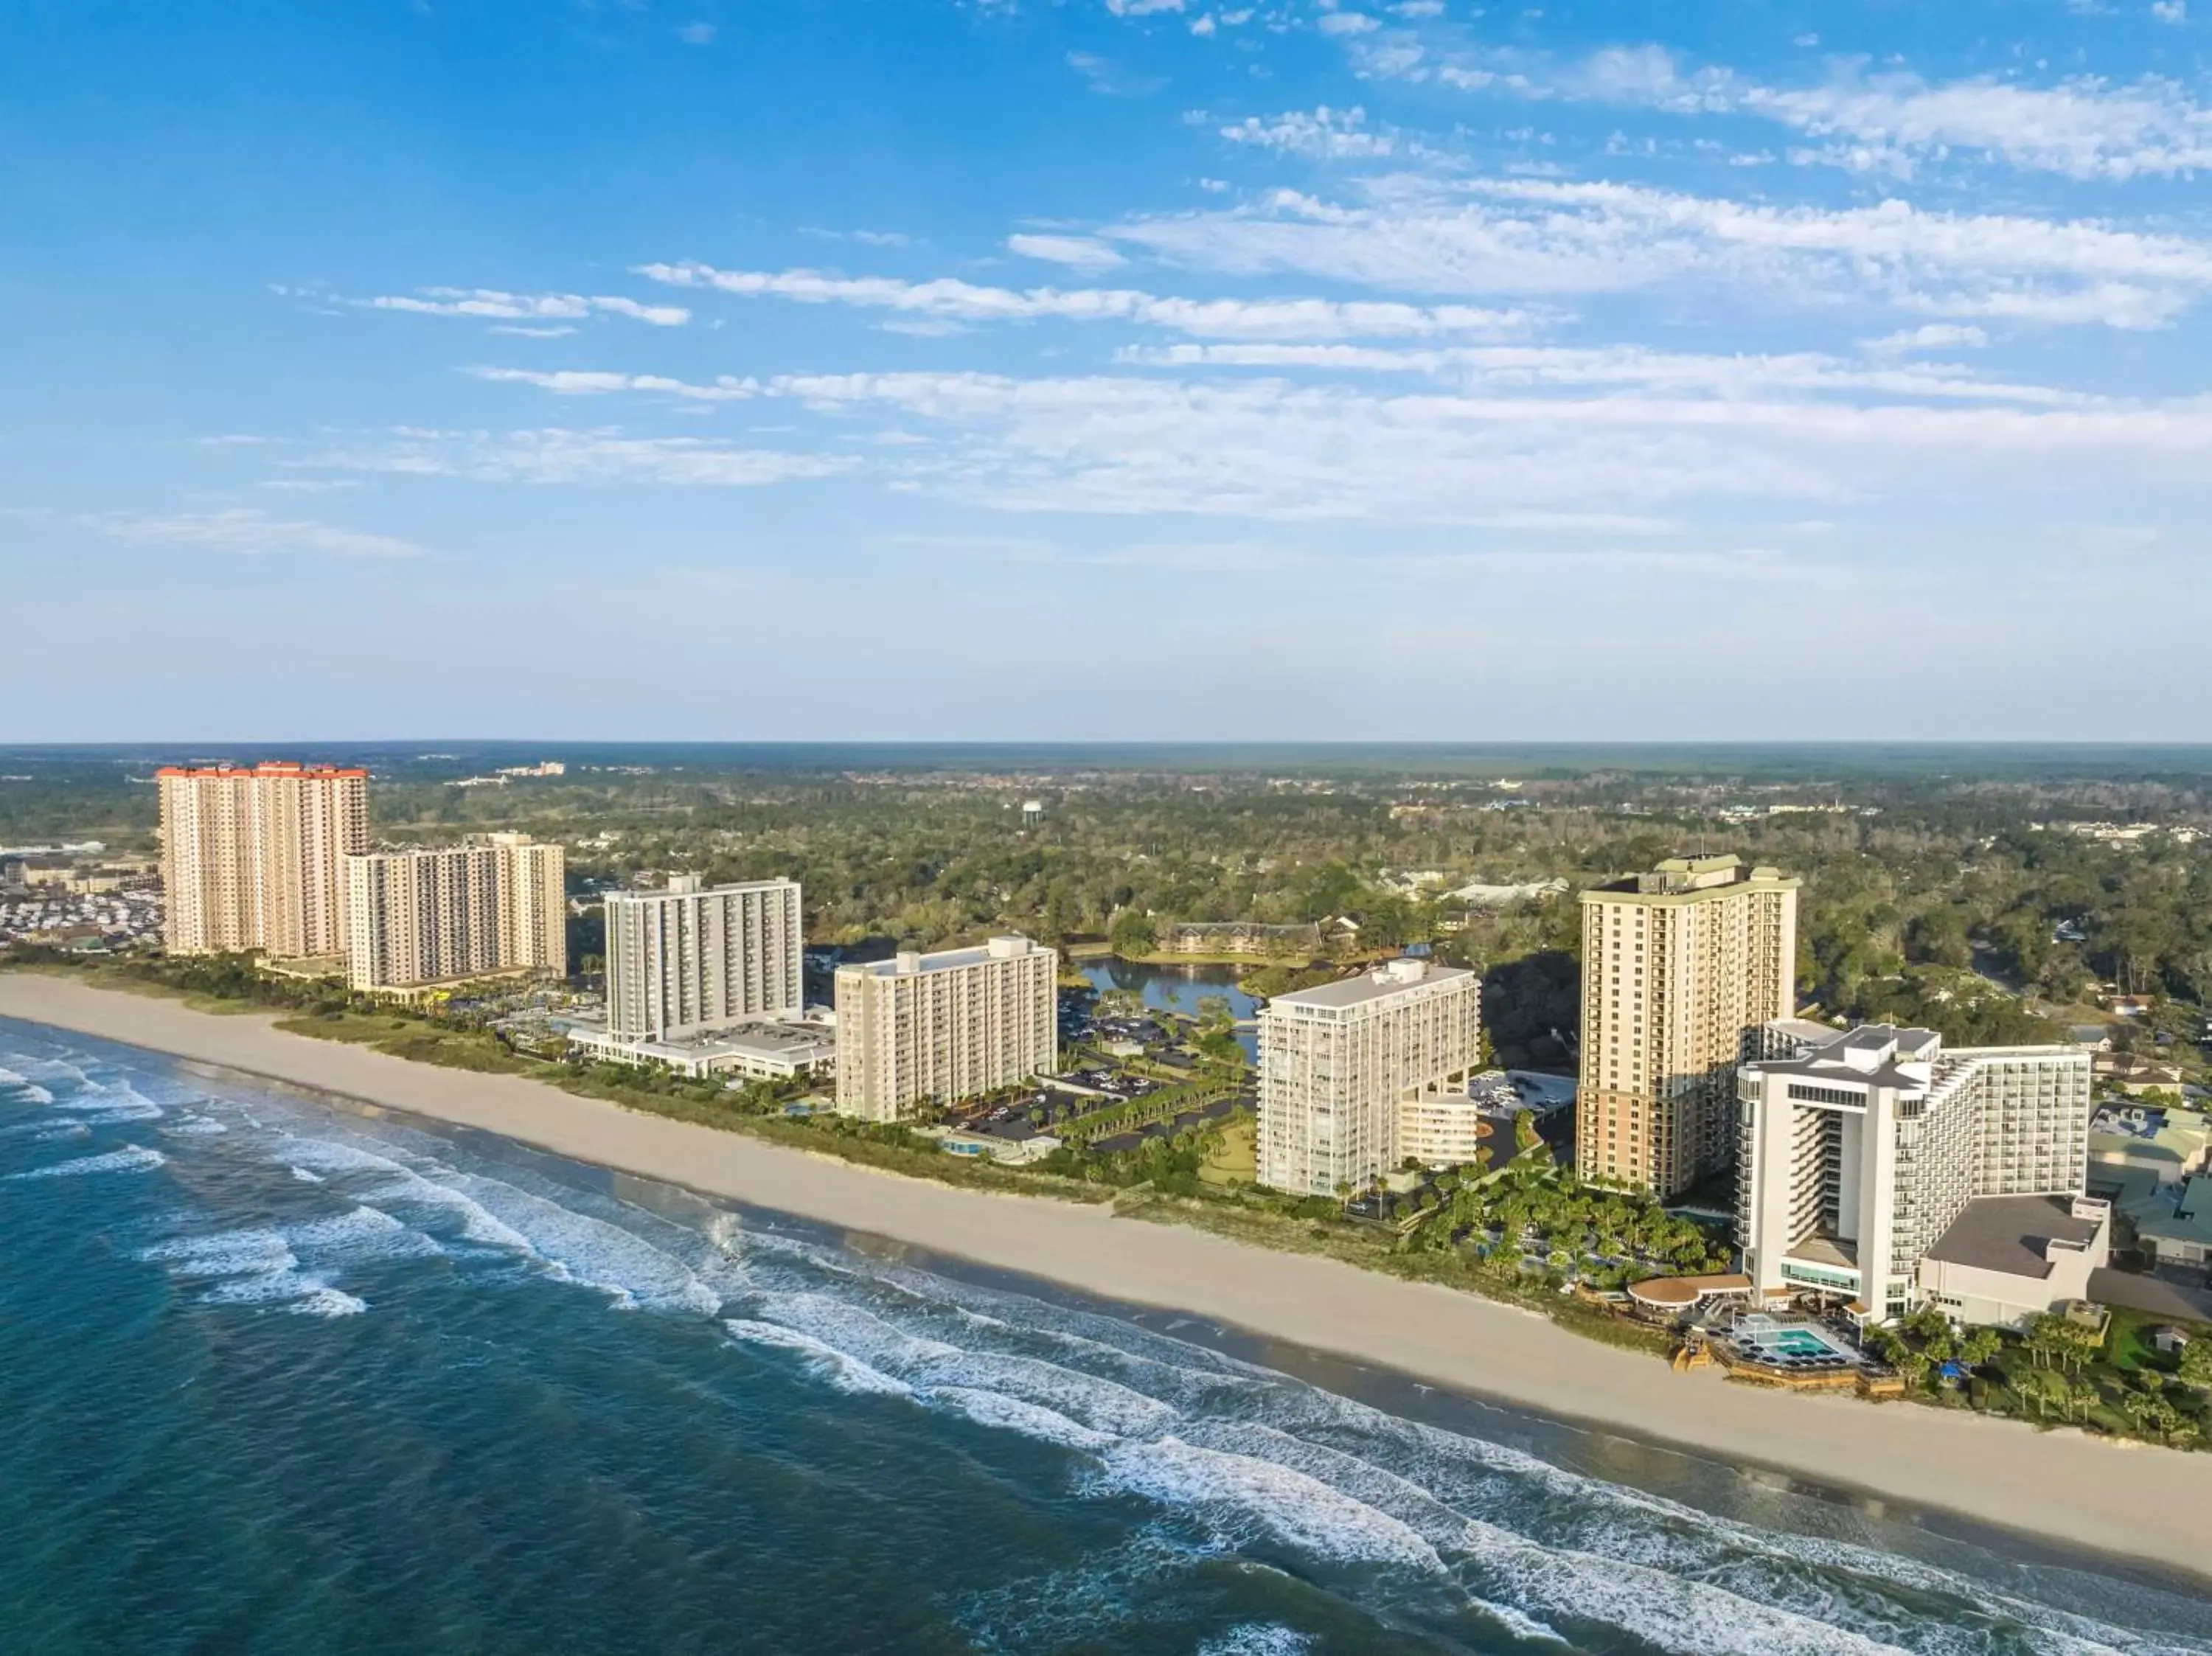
(256, 859)
(533, 903)
(1876, 1165)
(1339, 1063)
(1677, 965)
(923, 1028)
(435, 916)
(691, 960)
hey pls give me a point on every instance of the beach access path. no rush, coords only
(2141, 1502)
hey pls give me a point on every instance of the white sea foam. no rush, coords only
(1013, 1415)
(259, 1251)
(112, 1104)
(1243, 1499)
(307, 1178)
(54, 1126)
(26, 1091)
(840, 1369)
(132, 1158)
(1257, 1639)
(195, 1126)
(1104, 1405)
(327, 1302)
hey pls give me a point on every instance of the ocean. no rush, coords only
(279, 1375)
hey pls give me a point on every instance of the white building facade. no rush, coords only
(1860, 1152)
(939, 1027)
(694, 958)
(1341, 1065)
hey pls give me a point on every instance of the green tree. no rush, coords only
(1133, 934)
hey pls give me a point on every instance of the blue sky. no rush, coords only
(1111, 368)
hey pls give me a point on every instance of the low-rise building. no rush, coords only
(1242, 937)
(2180, 1235)
(754, 1051)
(2006, 1258)
(2169, 1144)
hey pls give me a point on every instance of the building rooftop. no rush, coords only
(1391, 978)
(2010, 1234)
(2189, 1221)
(1872, 1055)
(1692, 877)
(908, 963)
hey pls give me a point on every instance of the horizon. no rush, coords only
(1113, 371)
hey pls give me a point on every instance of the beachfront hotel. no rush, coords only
(255, 859)
(936, 1028)
(1677, 965)
(417, 917)
(1340, 1064)
(1878, 1168)
(693, 959)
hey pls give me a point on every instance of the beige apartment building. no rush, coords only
(693, 959)
(939, 1028)
(1878, 1167)
(1355, 1076)
(1678, 964)
(440, 916)
(256, 859)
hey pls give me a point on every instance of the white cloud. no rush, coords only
(1673, 372)
(1109, 79)
(2083, 127)
(697, 34)
(952, 299)
(2170, 12)
(253, 532)
(490, 303)
(1142, 8)
(1332, 133)
(1076, 253)
(1528, 237)
(554, 455)
(569, 382)
(1271, 450)
(1347, 23)
(1929, 336)
(520, 331)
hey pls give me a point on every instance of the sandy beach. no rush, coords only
(2136, 1501)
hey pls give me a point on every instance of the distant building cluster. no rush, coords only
(275, 860)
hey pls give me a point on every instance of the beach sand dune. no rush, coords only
(2138, 1501)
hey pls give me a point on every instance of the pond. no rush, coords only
(1177, 989)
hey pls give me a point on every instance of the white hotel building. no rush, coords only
(1878, 1167)
(1353, 1076)
(694, 958)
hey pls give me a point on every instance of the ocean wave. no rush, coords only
(1243, 1501)
(132, 1158)
(1257, 1639)
(195, 1126)
(55, 1126)
(304, 1177)
(995, 1409)
(841, 1369)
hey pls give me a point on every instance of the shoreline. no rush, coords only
(2128, 1502)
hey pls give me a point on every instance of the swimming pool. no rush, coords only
(1791, 1345)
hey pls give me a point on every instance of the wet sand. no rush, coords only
(2131, 1499)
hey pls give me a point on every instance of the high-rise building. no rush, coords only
(438, 916)
(1344, 1068)
(256, 859)
(939, 1028)
(693, 959)
(1866, 1160)
(1677, 965)
(533, 903)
